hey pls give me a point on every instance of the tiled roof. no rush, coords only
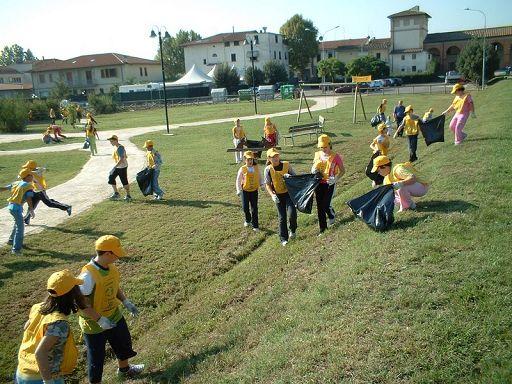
(407, 50)
(220, 38)
(15, 87)
(414, 11)
(380, 43)
(87, 61)
(342, 45)
(7, 71)
(467, 35)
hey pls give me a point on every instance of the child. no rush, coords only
(239, 137)
(428, 115)
(21, 191)
(120, 169)
(270, 132)
(91, 134)
(154, 161)
(52, 115)
(381, 110)
(379, 146)
(410, 127)
(101, 286)
(463, 105)
(248, 180)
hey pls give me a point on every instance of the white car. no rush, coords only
(452, 77)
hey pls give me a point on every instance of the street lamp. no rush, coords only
(250, 41)
(166, 36)
(483, 46)
(321, 38)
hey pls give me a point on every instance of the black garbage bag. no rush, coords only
(255, 144)
(374, 176)
(375, 208)
(145, 181)
(433, 130)
(301, 189)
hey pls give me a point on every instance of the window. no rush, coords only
(414, 56)
(145, 72)
(279, 55)
(226, 44)
(403, 69)
(88, 76)
(414, 68)
(214, 55)
(416, 21)
(275, 55)
(102, 91)
(108, 73)
(140, 71)
(16, 80)
(233, 57)
(429, 57)
(329, 55)
(318, 58)
(286, 55)
(42, 79)
(69, 77)
(50, 77)
(407, 22)
(277, 39)
(256, 39)
(377, 55)
(1, 80)
(403, 57)
(204, 61)
(236, 43)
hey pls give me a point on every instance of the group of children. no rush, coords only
(270, 135)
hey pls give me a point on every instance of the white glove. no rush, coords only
(105, 323)
(286, 175)
(131, 307)
(51, 381)
(331, 180)
(32, 213)
(275, 198)
(473, 115)
(398, 184)
(239, 193)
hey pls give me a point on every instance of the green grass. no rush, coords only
(62, 166)
(182, 114)
(29, 144)
(428, 301)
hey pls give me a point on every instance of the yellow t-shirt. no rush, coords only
(410, 126)
(460, 103)
(238, 133)
(382, 143)
(269, 129)
(402, 172)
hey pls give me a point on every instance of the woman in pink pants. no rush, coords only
(405, 180)
(463, 106)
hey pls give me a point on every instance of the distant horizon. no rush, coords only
(128, 32)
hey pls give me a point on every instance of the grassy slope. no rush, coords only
(181, 114)
(428, 301)
(29, 144)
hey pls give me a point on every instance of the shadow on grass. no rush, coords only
(183, 368)
(191, 203)
(58, 255)
(21, 266)
(407, 223)
(444, 206)
(89, 232)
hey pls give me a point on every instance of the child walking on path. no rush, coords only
(154, 162)
(239, 136)
(120, 169)
(91, 134)
(463, 106)
(101, 286)
(248, 180)
(410, 127)
(40, 187)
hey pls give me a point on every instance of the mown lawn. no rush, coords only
(181, 114)
(428, 301)
(29, 144)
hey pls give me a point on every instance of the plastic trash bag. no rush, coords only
(145, 181)
(87, 144)
(374, 176)
(376, 120)
(375, 208)
(433, 130)
(301, 189)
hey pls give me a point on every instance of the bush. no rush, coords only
(39, 109)
(226, 77)
(13, 115)
(368, 65)
(102, 104)
(275, 72)
(259, 77)
(418, 78)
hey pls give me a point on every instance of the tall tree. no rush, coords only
(368, 65)
(226, 77)
(15, 54)
(300, 36)
(330, 68)
(469, 62)
(29, 55)
(174, 54)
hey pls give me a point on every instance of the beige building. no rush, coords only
(93, 73)
(15, 81)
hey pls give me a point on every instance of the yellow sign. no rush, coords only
(361, 79)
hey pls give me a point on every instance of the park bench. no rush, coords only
(305, 129)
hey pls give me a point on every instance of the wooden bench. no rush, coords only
(305, 129)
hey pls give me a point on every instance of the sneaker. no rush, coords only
(292, 235)
(26, 220)
(16, 253)
(69, 211)
(134, 370)
(284, 242)
(128, 198)
(330, 222)
(464, 135)
(246, 224)
(114, 196)
(412, 206)
(256, 229)
(321, 233)
(9, 242)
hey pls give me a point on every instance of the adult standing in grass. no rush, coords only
(405, 179)
(21, 192)
(91, 134)
(330, 165)
(101, 286)
(248, 180)
(274, 175)
(154, 162)
(40, 187)
(239, 137)
(410, 127)
(270, 132)
(463, 106)
(48, 351)
(399, 114)
(120, 169)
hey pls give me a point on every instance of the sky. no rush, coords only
(69, 28)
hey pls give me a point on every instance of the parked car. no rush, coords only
(503, 71)
(396, 81)
(345, 88)
(452, 77)
(387, 82)
(375, 85)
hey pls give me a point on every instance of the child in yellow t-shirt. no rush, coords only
(238, 135)
(270, 132)
(411, 128)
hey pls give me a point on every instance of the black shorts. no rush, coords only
(121, 172)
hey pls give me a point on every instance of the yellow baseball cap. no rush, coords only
(272, 152)
(380, 161)
(249, 155)
(323, 141)
(456, 87)
(110, 243)
(381, 127)
(31, 164)
(113, 137)
(148, 143)
(62, 282)
(409, 108)
(24, 173)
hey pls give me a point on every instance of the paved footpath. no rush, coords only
(89, 186)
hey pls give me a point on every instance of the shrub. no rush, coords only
(13, 115)
(275, 72)
(259, 77)
(226, 77)
(102, 104)
(417, 78)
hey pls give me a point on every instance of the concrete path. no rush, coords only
(90, 186)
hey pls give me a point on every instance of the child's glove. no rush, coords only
(239, 193)
(105, 323)
(131, 307)
(331, 180)
(275, 199)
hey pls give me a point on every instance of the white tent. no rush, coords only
(193, 77)
(212, 71)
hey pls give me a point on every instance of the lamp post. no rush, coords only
(321, 38)
(483, 45)
(166, 35)
(249, 41)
